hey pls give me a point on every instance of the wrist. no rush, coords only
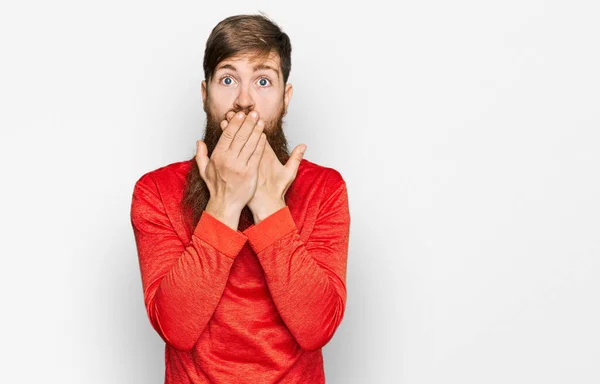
(267, 210)
(226, 213)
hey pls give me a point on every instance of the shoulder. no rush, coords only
(319, 176)
(168, 177)
(312, 170)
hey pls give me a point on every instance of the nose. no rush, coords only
(244, 101)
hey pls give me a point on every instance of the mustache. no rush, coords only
(246, 111)
(229, 115)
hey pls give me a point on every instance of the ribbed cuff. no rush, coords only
(271, 229)
(219, 236)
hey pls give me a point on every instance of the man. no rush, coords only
(243, 249)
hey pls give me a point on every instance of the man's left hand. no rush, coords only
(274, 179)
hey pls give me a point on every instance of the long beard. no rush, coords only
(196, 193)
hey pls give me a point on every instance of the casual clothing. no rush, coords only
(254, 305)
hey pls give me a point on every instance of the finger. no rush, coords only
(228, 118)
(242, 135)
(295, 158)
(229, 133)
(202, 158)
(252, 142)
(258, 153)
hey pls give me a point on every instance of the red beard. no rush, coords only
(196, 194)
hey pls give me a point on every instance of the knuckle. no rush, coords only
(228, 135)
(219, 158)
(241, 138)
(239, 171)
(229, 163)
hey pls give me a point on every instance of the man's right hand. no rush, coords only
(231, 173)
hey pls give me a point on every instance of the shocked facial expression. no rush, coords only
(244, 84)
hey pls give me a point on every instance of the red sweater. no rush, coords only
(251, 306)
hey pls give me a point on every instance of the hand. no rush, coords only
(231, 173)
(274, 179)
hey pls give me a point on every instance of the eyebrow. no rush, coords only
(256, 68)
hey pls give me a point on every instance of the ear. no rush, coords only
(204, 95)
(287, 95)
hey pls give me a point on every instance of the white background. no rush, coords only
(467, 133)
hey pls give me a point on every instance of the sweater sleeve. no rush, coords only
(182, 283)
(307, 281)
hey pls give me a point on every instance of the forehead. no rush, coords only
(244, 62)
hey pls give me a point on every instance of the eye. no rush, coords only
(226, 80)
(263, 81)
